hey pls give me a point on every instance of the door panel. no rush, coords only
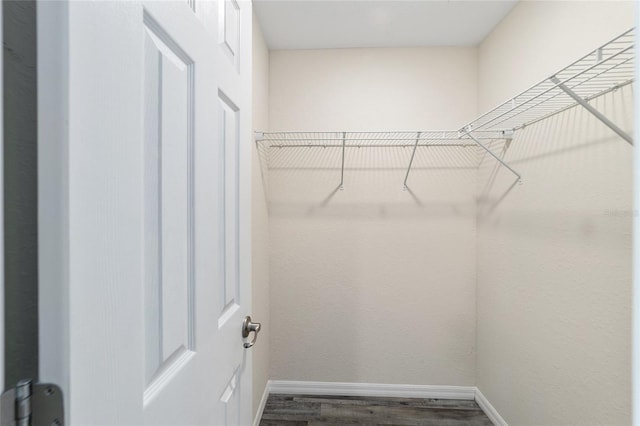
(168, 186)
(229, 33)
(228, 137)
(233, 22)
(154, 193)
(231, 400)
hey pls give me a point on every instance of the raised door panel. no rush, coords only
(233, 301)
(229, 30)
(168, 187)
(228, 143)
(230, 407)
(233, 62)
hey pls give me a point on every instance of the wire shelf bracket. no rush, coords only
(624, 135)
(506, 135)
(344, 145)
(413, 154)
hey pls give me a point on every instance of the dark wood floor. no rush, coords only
(308, 410)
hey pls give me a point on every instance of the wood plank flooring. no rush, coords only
(314, 410)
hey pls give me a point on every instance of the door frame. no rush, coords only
(2, 332)
(52, 41)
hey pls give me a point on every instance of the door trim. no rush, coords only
(53, 108)
(2, 363)
(263, 403)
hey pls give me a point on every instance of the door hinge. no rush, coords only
(30, 404)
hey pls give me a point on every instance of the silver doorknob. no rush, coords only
(247, 328)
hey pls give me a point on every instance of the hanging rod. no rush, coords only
(605, 69)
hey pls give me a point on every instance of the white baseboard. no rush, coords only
(489, 409)
(378, 389)
(263, 402)
(372, 389)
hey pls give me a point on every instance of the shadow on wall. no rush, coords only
(444, 181)
(305, 181)
(557, 159)
(351, 268)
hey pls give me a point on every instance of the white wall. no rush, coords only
(259, 220)
(369, 284)
(372, 89)
(554, 258)
(538, 38)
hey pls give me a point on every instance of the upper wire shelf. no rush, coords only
(431, 138)
(603, 70)
(400, 139)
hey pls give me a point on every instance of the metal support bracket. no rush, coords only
(30, 404)
(344, 142)
(507, 134)
(258, 136)
(467, 132)
(624, 135)
(413, 154)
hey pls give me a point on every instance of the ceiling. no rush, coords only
(314, 24)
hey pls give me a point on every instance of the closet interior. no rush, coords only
(493, 254)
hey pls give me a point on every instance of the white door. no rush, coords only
(144, 150)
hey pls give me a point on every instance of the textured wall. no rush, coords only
(372, 284)
(372, 89)
(259, 220)
(554, 257)
(537, 38)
